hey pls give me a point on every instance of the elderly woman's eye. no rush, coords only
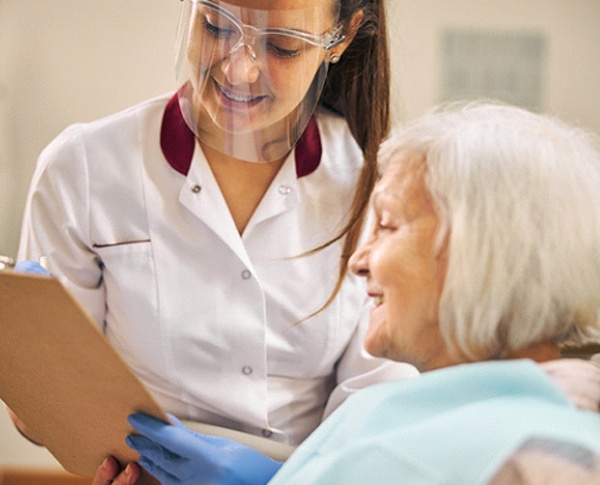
(384, 227)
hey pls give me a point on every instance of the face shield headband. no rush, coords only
(250, 79)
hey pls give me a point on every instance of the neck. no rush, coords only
(541, 352)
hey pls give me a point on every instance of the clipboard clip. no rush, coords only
(6, 263)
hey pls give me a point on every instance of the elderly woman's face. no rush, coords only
(403, 270)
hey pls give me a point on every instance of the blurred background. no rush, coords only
(65, 61)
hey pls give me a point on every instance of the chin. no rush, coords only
(375, 351)
(375, 343)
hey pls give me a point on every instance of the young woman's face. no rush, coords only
(404, 270)
(250, 68)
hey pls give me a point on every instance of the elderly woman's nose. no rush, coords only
(358, 262)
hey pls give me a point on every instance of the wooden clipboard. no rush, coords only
(62, 378)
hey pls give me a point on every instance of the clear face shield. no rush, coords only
(249, 79)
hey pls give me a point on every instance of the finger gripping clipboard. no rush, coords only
(62, 378)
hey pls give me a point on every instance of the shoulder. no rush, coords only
(448, 417)
(146, 114)
(124, 131)
(509, 388)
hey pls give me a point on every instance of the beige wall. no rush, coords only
(17, 451)
(63, 61)
(571, 85)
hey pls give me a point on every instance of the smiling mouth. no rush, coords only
(239, 99)
(378, 300)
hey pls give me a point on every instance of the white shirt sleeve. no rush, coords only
(56, 221)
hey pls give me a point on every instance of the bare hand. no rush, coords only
(109, 473)
(22, 428)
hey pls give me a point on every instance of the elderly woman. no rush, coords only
(484, 258)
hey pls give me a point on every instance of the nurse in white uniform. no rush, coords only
(207, 231)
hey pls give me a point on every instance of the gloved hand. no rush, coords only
(31, 267)
(178, 456)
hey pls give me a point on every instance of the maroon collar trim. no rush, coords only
(177, 142)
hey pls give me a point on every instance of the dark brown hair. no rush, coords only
(358, 88)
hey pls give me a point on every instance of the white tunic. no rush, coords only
(213, 323)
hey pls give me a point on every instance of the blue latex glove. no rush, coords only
(31, 267)
(178, 456)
